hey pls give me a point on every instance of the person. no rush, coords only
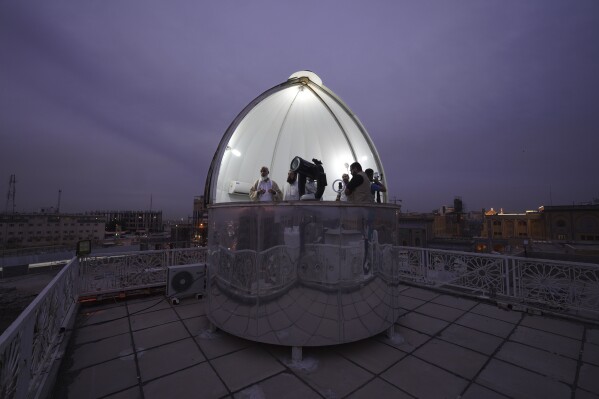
(341, 195)
(291, 188)
(376, 186)
(358, 188)
(265, 189)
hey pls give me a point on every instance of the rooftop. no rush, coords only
(468, 325)
(443, 345)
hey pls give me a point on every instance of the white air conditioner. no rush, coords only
(185, 280)
(239, 187)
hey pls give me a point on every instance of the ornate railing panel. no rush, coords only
(26, 347)
(134, 270)
(566, 287)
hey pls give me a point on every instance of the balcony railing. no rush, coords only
(110, 273)
(33, 343)
(563, 287)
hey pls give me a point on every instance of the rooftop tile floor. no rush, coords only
(444, 347)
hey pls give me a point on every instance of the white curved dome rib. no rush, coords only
(300, 117)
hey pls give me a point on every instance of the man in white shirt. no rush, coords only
(341, 196)
(291, 188)
(265, 189)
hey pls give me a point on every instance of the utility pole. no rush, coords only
(12, 186)
(58, 205)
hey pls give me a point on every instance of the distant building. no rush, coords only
(555, 225)
(181, 234)
(571, 222)
(137, 222)
(199, 221)
(24, 230)
(509, 232)
(415, 230)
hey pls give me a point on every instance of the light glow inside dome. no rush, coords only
(300, 117)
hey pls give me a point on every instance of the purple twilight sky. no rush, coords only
(115, 102)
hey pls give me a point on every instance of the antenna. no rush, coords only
(58, 206)
(12, 185)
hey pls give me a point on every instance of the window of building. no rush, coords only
(560, 223)
(562, 236)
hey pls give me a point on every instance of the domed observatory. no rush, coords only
(298, 273)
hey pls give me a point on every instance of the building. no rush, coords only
(415, 230)
(571, 222)
(199, 221)
(568, 232)
(138, 222)
(25, 230)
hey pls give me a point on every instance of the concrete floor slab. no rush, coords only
(424, 380)
(283, 385)
(168, 358)
(95, 332)
(547, 341)
(159, 335)
(420, 293)
(497, 313)
(409, 303)
(588, 378)
(103, 379)
(557, 326)
(246, 367)
(379, 388)
(516, 382)
(476, 391)
(142, 321)
(199, 381)
(422, 323)
(591, 354)
(454, 358)
(372, 355)
(455, 302)
(101, 351)
(471, 339)
(404, 339)
(441, 312)
(328, 373)
(486, 324)
(545, 363)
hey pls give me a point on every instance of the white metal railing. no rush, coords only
(28, 346)
(566, 287)
(109, 273)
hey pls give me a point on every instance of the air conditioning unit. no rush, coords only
(185, 280)
(239, 187)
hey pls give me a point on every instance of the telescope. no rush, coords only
(314, 171)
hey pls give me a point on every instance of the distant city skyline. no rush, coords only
(123, 104)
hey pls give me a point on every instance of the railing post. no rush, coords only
(424, 264)
(506, 274)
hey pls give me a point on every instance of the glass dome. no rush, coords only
(300, 117)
